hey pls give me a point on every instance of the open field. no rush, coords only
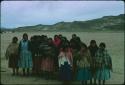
(113, 40)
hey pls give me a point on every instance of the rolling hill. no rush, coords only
(115, 23)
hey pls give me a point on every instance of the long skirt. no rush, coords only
(93, 68)
(84, 74)
(36, 64)
(65, 72)
(47, 64)
(13, 61)
(25, 60)
(103, 74)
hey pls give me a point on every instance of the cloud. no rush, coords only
(21, 13)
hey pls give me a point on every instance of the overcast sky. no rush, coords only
(27, 13)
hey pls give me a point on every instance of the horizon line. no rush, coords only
(3, 27)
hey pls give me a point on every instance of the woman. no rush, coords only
(83, 65)
(36, 54)
(25, 61)
(57, 41)
(93, 49)
(47, 63)
(104, 63)
(12, 54)
(65, 65)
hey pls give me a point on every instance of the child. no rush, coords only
(65, 64)
(104, 63)
(93, 49)
(83, 65)
(12, 54)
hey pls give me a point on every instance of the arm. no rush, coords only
(89, 57)
(71, 59)
(7, 52)
(110, 63)
(98, 60)
(29, 45)
(59, 59)
(19, 48)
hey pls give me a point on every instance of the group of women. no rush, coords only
(71, 59)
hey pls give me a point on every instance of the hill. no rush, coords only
(112, 23)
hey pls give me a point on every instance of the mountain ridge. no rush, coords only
(103, 23)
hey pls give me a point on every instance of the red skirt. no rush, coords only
(36, 63)
(47, 64)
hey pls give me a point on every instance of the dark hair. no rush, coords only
(14, 38)
(73, 34)
(25, 34)
(60, 35)
(49, 38)
(83, 45)
(55, 36)
(102, 44)
(32, 38)
(78, 39)
(92, 41)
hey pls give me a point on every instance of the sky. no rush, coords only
(27, 13)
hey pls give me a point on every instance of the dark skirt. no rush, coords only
(65, 72)
(93, 68)
(13, 61)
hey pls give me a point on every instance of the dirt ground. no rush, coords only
(115, 45)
